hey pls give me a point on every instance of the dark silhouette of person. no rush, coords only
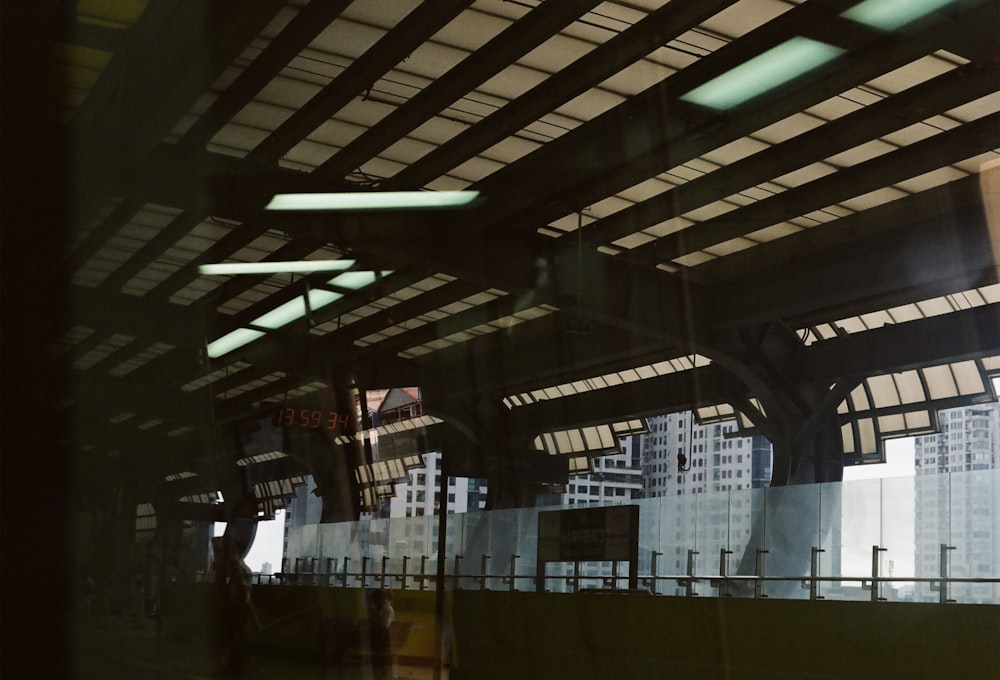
(379, 634)
(232, 580)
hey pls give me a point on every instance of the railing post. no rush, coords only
(402, 579)
(364, 572)
(482, 572)
(576, 577)
(343, 576)
(942, 586)
(724, 572)
(876, 584)
(651, 581)
(688, 583)
(385, 562)
(511, 582)
(758, 570)
(814, 574)
(458, 561)
(423, 572)
(330, 571)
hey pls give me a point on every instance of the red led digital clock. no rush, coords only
(311, 418)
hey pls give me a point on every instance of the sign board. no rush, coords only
(606, 534)
(588, 534)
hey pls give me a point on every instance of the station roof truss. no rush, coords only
(651, 176)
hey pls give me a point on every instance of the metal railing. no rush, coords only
(372, 574)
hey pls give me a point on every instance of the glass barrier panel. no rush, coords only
(860, 529)
(792, 530)
(827, 528)
(897, 530)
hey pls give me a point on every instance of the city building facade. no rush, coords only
(957, 502)
(681, 457)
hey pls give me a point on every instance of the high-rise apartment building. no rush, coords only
(957, 501)
(617, 478)
(420, 493)
(681, 457)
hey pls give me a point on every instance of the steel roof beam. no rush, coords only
(397, 43)
(656, 29)
(486, 61)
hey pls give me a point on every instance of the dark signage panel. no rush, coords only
(588, 534)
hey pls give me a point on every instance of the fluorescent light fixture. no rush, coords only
(890, 15)
(319, 298)
(294, 267)
(372, 200)
(284, 314)
(764, 72)
(356, 280)
(279, 316)
(227, 343)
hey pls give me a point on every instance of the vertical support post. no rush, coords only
(364, 572)
(458, 578)
(651, 581)
(633, 553)
(614, 575)
(343, 576)
(511, 585)
(943, 586)
(442, 544)
(724, 572)
(689, 581)
(576, 577)
(406, 558)
(758, 570)
(482, 572)
(329, 571)
(876, 584)
(814, 573)
(385, 562)
(423, 572)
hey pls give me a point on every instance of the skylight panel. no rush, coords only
(731, 246)
(860, 154)
(789, 127)
(774, 232)
(694, 259)
(214, 375)
(873, 199)
(670, 226)
(931, 179)
(102, 351)
(968, 378)
(634, 240)
(142, 358)
(192, 292)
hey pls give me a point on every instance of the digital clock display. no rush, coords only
(312, 418)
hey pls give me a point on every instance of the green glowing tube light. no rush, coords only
(764, 72)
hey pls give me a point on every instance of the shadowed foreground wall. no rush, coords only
(601, 636)
(303, 622)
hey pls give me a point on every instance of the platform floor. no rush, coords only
(120, 651)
